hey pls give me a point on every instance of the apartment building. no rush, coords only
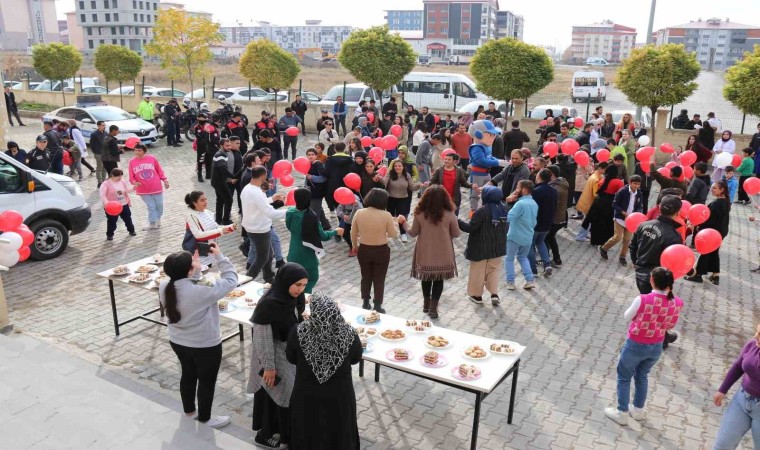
(128, 23)
(312, 35)
(24, 23)
(404, 20)
(606, 40)
(509, 24)
(456, 28)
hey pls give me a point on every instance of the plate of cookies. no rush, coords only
(147, 268)
(437, 342)
(504, 348)
(418, 326)
(466, 372)
(120, 271)
(392, 335)
(237, 293)
(399, 355)
(246, 303)
(139, 278)
(433, 360)
(476, 352)
(368, 332)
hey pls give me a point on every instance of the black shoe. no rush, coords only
(279, 263)
(715, 279)
(272, 442)
(694, 278)
(603, 252)
(21, 124)
(247, 266)
(208, 176)
(557, 263)
(109, 238)
(670, 337)
(200, 177)
(177, 145)
(366, 304)
(577, 216)
(495, 300)
(133, 233)
(622, 261)
(180, 142)
(378, 307)
(476, 300)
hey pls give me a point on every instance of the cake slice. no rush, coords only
(400, 353)
(466, 371)
(431, 357)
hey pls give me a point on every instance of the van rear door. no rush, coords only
(585, 84)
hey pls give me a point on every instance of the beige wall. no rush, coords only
(76, 33)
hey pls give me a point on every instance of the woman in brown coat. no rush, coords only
(435, 225)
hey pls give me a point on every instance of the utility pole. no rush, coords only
(650, 40)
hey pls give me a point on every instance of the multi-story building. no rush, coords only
(403, 20)
(74, 32)
(509, 24)
(63, 32)
(174, 5)
(312, 35)
(605, 40)
(24, 23)
(718, 44)
(128, 23)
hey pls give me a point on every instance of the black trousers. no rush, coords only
(289, 141)
(269, 418)
(171, 132)
(551, 240)
(303, 122)
(644, 201)
(709, 262)
(109, 166)
(126, 216)
(86, 164)
(262, 245)
(223, 204)
(642, 279)
(399, 206)
(200, 367)
(341, 122)
(742, 193)
(432, 289)
(15, 113)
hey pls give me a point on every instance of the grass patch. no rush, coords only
(25, 105)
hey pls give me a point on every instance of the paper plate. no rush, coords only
(390, 354)
(442, 361)
(455, 374)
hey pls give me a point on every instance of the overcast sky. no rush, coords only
(547, 22)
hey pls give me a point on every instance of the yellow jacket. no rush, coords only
(145, 110)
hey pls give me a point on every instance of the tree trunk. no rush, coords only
(63, 92)
(121, 96)
(653, 109)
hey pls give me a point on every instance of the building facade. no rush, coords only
(718, 44)
(605, 40)
(312, 35)
(74, 32)
(173, 5)
(128, 23)
(456, 28)
(403, 20)
(509, 24)
(24, 23)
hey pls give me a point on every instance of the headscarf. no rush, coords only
(325, 338)
(613, 186)
(492, 197)
(598, 145)
(310, 223)
(358, 168)
(466, 119)
(276, 307)
(730, 135)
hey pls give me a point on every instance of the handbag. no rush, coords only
(189, 243)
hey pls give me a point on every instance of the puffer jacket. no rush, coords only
(563, 188)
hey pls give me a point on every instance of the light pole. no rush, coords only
(650, 39)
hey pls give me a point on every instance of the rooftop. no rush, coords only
(715, 23)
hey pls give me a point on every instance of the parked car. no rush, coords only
(354, 92)
(471, 107)
(15, 85)
(89, 90)
(646, 116)
(53, 205)
(129, 124)
(226, 92)
(539, 112)
(438, 90)
(281, 97)
(244, 94)
(599, 62)
(164, 92)
(310, 97)
(50, 85)
(127, 90)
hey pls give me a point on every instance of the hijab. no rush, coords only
(276, 307)
(310, 224)
(613, 186)
(598, 145)
(325, 338)
(466, 119)
(730, 135)
(492, 197)
(358, 168)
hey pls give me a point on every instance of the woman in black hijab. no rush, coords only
(272, 376)
(323, 404)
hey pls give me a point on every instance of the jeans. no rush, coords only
(521, 252)
(479, 178)
(260, 256)
(200, 366)
(539, 240)
(289, 141)
(742, 414)
(276, 246)
(100, 170)
(636, 360)
(340, 121)
(126, 216)
(155, 204)
(424, 174)
(76, 167)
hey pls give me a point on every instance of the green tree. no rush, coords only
(507, 69)
(56, 61)
(182, 44)
(117, 63)
(655, 76)
(266, 65)
(377, 58)
(741, 87)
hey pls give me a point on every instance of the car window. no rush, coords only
(353, 94)
(586, 81)
(67, 113)
(109, 114)
(463, 90)
(81, 115)
(10, 179)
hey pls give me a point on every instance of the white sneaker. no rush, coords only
(150, 226)
(404, 238)
(511, 285)
(615, 414)
(637, 413)
(218, 421)
(529, 285)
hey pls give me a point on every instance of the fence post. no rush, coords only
(121, 96)
(526, 108)
(142, 87)
(455, 101)
(106, 83)
(172, 87)
(203, 80)
(670, 118)
(300, 87)
(344, 92)
(588, 106)
(249, 91)
(744, 119)
(80, 83)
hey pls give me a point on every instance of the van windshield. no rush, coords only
(353, 94)
(586, 81)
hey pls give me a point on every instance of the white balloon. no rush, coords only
(723, 160)
(15, 241)
(8, 258)
(644, 140)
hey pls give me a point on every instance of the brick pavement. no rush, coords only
(572, 324)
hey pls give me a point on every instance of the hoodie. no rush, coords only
(698, 190)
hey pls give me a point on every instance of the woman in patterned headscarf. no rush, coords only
(323, 402)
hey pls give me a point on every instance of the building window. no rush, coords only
(116, 5)
(81, 5)
(93, 4)
(135, 17)
(134, 4)
(142, 17)
(95, 18)
(105, 4)
(81, 18)
(115, 16)
(114, 41)
(141, 5)
(121, 30)
(149, 17)
(108, 17)
(89, 31)
(90, 44)
(113, 31)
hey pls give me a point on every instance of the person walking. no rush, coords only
(559, 221)
(546, 198)
(11, 107)
(147, 176)
(627, 201)
(116, 189)
(54, 147)
(195, 335)
(323, 401)
(720, 209)
(435, 226)
(400, 185)
(78, 137)
(650, 315)
(96, 145)
(111, 153)
(522, 220)
(222, 177)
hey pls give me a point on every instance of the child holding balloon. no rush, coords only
(114, 193)
(709, 261)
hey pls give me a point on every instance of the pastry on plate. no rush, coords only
(237, 293)
(437, 341)
(475, 352)
(497, 347)
(400, 354)
(411, 323)
(431, 357)
(139, 278)
(372, 317)
(120, 270)
(393, 334)
(467, 371)
(146, 268)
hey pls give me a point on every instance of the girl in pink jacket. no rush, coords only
(117, 189)
(146, 175)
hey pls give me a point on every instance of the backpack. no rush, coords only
(189, 243)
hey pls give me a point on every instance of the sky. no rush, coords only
(547, 22)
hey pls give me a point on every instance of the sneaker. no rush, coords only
(404, 238)
(637, 413)
(218, 421)
(603, 252)
(547, 271)
(192, 416)
(694, 278)
(495, 300)
(577, 216)
(557, 263)
(511, 285)
(272, 442)
(529, 285)
(133, 234)
(150, 226)
(476, 300)
(622, 261)
(714, 279)
(615, 414)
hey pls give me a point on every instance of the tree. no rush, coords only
(655, 76)
(56, 61)
(508, 69)
(117, 63)
(182, 43)
(266, 65)
(741, 83)
(12, 63)
(377, 58)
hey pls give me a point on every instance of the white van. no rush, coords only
(352, 94)
(587, 83)
(596, 61)
(53, 205)
(438, 90)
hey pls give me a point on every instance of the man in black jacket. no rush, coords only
(236, 127)
(222, 178)
(11, 107)
(237, 170)
(300, 108)
(390, 109)
(39, 158)
(515, 138)
(96, 145)
(679, 122)
(546, 198)
(584, 136)
(54, 146)
(699, 186)
(428, 118)
(170, 113)
(697, 120)
(512, 174)
(266, 140)
(495, 113)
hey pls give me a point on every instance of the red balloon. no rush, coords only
(396, 130)
(344, 196)
(698, 214)
(113, 208)
(646, 166)
(376, 154)
(736, 160)
(671, 164)
(10, 220)
(290, 199)
(436, 118)
(603, 155)
(382, 171)
(24, 253)
(448, 151)
(751, 187)
(707, 241)
(570, 146)
(287, 180)
(379, 133)
(67, 159)
(389, 142)
(666, 148)
(282, 167)
(685, 207)
(366, 141)
(551, 148)
(688, 172)
(371, 117)
(644, 153)
(687, 158)
(542, 123)
(353, 181)
(633, 221)
(302, 164)
(677, 258)
(27, 237)
(664, 171)
(582, 158)
(578, 122)
(292, 131)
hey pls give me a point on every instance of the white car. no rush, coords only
(539, 112)
(197, 94)
(127, 90)
(281, 97)
(310, 97)
(89, 90)
(471, 107)
(253, 94)
(87, 118)
(646, 116)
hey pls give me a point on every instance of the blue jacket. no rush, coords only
(733, 185)
(621, 200)
(546, 198)
(481, 156)
(522, 220)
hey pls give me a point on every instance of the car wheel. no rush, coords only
(50, 239)
(189, 134)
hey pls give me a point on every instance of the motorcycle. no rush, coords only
(187, 121)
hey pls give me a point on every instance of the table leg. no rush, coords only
(361, 368)
(513, 393)
(113, 307)
(476, 421)
(377, 373)
(242, 334)
(161, 308)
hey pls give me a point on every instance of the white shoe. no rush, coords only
(637, 413)
(218, 421)
(193, 416)
(150, 226)
(511, 285)
(404, 238)
(529, 285)
(615, 414)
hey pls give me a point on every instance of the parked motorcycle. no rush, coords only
(187, 121)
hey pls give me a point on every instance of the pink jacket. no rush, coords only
(116, 191)
(146, 171)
